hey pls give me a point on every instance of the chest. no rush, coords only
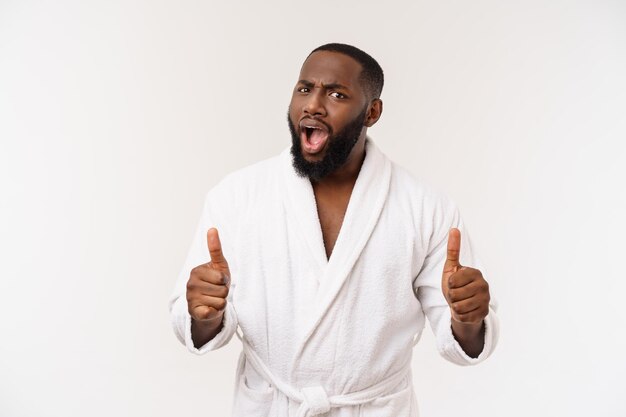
(331, 210)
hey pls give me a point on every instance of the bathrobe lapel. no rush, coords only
(366, 203)
(301, 210)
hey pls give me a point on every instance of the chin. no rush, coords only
(313, 158)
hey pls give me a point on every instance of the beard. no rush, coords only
(337, 151)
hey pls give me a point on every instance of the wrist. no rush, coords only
(470, 336)
(467, 329)
(203, 331)
(208, 323)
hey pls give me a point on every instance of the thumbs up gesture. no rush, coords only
(464, 288)
(209, 284)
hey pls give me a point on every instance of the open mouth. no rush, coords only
(313, 137)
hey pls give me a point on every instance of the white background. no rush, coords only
(116, 117)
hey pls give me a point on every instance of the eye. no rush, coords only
(303, 90)
(337, 95)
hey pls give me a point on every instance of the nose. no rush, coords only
(314, 104)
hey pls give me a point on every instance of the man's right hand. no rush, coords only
(207, 290)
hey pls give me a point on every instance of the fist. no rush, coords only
(464, 288)
(209, 284)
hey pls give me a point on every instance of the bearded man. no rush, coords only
(336, 257)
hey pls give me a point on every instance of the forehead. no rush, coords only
(331, 67)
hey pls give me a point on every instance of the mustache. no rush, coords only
(317, 120)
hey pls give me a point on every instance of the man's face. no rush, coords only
(327, 113)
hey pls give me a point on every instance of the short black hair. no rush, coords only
(371, 74)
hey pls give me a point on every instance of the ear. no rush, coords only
(374, 111)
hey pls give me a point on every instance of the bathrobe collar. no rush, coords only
(366, 203)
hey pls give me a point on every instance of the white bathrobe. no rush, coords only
(329, 337)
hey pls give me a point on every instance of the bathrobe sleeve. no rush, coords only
(427, 286)
(199, 254)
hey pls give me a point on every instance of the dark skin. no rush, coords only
(207, 290)
(467, 294)
(329, 90)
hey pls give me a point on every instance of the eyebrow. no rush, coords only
(332, 86)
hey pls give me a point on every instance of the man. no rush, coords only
(335, 257)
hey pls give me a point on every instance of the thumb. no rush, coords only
(215, 249)
(454, 250)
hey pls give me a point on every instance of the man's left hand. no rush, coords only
(464, 288)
